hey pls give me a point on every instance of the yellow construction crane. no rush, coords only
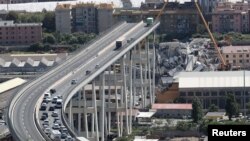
(224, 65)
(162, 10)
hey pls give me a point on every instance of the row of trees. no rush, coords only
(75, 38)
(47, 18)
(232, 108)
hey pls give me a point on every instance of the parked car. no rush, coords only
(73, 81)
(88, 72)
(43, 117)
(51, 108)
(64, 135)
(52, 91)
(56, 126)
(47, 131)
(43, 106)
(54, 114)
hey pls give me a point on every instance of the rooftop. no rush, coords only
(172, 106)
(11, 23)
(236, 49)
(214, 79)
(145, 114)
(215, 114)
(10, 84)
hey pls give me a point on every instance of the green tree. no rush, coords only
(49, 21)
(49, 38)
(201, 29)
(12, 16)
(213, 108)
(36, 47)
(248, 108)
(231, 107)
(182, 126)
(197, 110)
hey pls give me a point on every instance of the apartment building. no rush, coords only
(16, 1)
(237, 56)
(231, 17)
(177, 18)
(63, 18)
(230, 21)
(20, 33)
(84, 18)
(104, 16)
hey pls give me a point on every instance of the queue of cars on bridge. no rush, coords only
(50, 120)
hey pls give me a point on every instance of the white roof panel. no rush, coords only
(145, 114)
(213, 79)
(10, 84)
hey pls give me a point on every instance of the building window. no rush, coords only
(182, 94)
(226, 56)
(190, 94)
(247, 55)
(240, 55)
(234, 56)
(237, 93)
(206, 94)
(222, 93)
(247, 61)
(198, 93)
(234, 61)
(240, 61)
(213, 93)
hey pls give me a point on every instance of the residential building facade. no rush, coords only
(105, 16)
(84, 18)
(231, 17)
(230, 21)
(237, 56)
(63, 18)
(20, 33)
(177, 18)
(16, 1)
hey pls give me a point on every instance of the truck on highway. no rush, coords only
(55, 135)
(119, 43)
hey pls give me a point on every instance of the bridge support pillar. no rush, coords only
(79, 114)
(117, 104)
(153, 91)
(149, 73)
(85, 113)
(125, 93)
(141, 79)
(102, 97)
(130, 91)
(95, 110)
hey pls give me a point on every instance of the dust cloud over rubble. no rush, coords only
(197, 55)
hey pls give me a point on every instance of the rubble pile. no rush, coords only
(197, 55)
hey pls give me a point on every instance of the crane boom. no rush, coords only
(162, 10)
(224, 65)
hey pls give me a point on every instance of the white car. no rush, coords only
(56, 126)
(47, 131)
(47, 95)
